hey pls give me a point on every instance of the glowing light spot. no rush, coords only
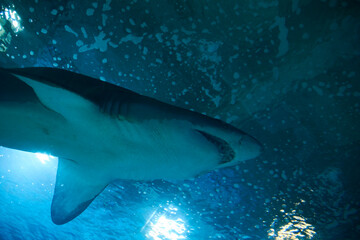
(43, 157)
(167, 229)
(296, 229)
(163, 224)
(11, 16)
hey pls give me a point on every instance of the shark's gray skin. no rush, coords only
(102, 132)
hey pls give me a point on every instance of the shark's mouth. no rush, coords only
(227, 153)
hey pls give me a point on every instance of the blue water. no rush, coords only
(286, 72)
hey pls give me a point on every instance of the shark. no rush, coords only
(102, 132)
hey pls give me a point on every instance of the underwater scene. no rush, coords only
(180, 119)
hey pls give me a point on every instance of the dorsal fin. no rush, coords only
(75, 189)
(87, 87)
(68, 104)
(14, 90)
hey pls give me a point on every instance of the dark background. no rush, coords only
(287, 72)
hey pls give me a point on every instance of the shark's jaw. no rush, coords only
(140, 139)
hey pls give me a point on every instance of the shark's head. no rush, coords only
(233, 145)
(242, 147)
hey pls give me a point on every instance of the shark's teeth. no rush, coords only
(227, 154)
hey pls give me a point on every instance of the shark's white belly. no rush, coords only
(122, 149)
(143, 151)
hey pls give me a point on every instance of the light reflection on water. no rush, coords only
(9, 15)
(44, 158)
(296, 227)
(164, 224)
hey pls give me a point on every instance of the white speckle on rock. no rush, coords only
(90, 12)
(236, 75)
(68, 29)
(318, 90)
(132, 22)
(79, 43)
(106, 6)
(178, 57)
(84, 32)
(159, 37)
(100, 43)
(131, 38)
(283, 32)
(164, 28)
(104, 18)
(54, 12)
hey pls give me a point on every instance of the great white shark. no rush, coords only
(102, 132)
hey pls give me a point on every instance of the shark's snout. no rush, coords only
(249, 148)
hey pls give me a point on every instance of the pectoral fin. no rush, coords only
(75, 189)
